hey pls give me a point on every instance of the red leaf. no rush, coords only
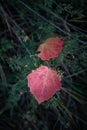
(43, 83)
(51, 48)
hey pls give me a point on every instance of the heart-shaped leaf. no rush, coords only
(51, 48)
(43, 83)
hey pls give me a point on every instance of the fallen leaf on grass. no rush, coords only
(43, 83)
(51, 48)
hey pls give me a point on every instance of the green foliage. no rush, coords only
(24, 26)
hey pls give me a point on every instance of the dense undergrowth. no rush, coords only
(24, 25)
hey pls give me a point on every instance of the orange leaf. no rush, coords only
(51, 48)
(43, 83)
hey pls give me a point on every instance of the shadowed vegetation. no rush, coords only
(24, 25)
